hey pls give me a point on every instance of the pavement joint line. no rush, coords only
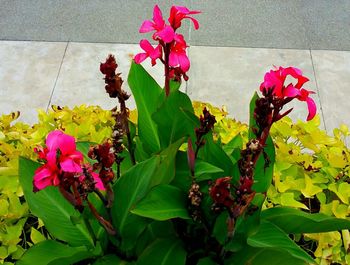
(318, 90)
(58, 74)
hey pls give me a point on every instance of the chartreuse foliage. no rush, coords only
(311, 171)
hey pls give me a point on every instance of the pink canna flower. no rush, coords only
(163, 32)
(275, 80)
(178, 13)
(60, 155)
(178, 56)
(150, 51)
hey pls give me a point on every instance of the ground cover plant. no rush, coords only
(173, 188)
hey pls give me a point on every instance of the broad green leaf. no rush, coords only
(129, 189)
(166, 169)
(162, 203)
(51, 252)
(203, 167)
(236, 142)
(172, 123)
(163, 252)
(206, 261)
(295, 221)
(270, 236)
(111, 260)
(50, 206)
(263, 256)
(212, 153)
(146, 92)
(153, 231)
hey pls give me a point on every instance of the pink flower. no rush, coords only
(61, 156)
(178, 56)
(163, 32)
(178, 13)
(153, 53)
(275, 80)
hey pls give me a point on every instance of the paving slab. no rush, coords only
(229, 76)
(296, 24)
(332, 70)
(115, 21)
(81, 82)
(28, 71)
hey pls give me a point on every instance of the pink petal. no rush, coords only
(98, 182)
(158, 17)
(173, 59)
(58, 140)
(156, 53)
(291, 92)
(184, 62)
(139, 58)
(51, 159)
(69, 165)
(43, 177)
(77, 156)
(166, 34)
(311, 107)
(146, 46)
(195, 22)
(146, 26)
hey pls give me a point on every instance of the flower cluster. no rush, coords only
(63, 163)
(171, 48)
(274, 84)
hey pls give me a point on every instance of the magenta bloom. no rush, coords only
(178, 56)
(150, 51)
(275, 79)
(60, 156)
(163, 32)
(178, 13)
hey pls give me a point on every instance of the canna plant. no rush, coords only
(164, 191)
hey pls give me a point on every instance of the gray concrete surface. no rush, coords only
(295, 24)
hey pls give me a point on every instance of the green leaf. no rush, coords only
(212, 153)
(51, 252)
(206, 261)
(252, 122)
(50, 206)
(129, 189)
(270, 236)
(295, 221)
(170, 118)
(263, 173)
(162, 203)
(203, 167)
(263, 256)
(163, 252)
(109, 260)
(146, 92)
(36, 236)
(166, 169)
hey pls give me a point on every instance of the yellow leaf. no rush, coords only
(310, 189)
(36, 236)
(287, 199)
